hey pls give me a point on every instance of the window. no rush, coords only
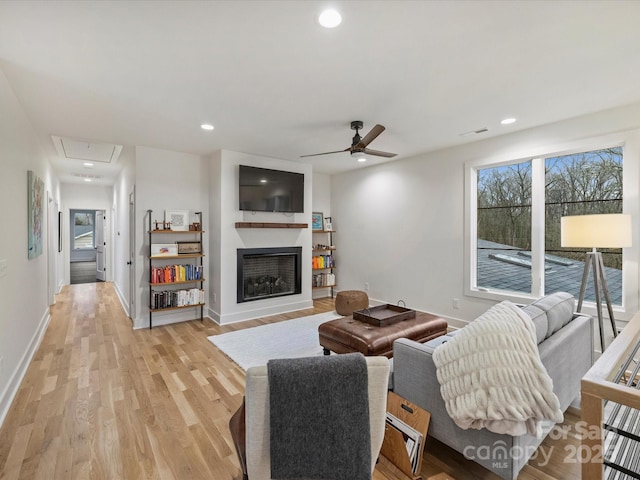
(83, 229)
(504, 227)
(514, 230)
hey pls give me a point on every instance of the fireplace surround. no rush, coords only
(268, 272)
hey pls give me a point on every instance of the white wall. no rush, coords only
(225, 212)
(24, 306)
(214, 236)
(401, 224)
(166, 180)
(321, 198)
(123, 186)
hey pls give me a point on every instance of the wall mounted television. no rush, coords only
(266, 190)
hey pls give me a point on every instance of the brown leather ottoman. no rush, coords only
(346, 335)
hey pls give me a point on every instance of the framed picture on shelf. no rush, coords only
(178, 219)
(327, 224)
(317, 221)
(189, 247)
(164, 249)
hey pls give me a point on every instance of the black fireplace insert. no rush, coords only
(269, 272)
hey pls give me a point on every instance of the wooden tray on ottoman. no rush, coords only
(383, 315)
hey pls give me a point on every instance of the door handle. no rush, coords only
(129, 262)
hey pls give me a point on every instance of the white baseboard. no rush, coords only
(123, 300)
(261, 312)
(10, 391)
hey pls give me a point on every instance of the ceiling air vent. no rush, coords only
(88, 175)
(474, 132)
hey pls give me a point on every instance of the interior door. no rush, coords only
(132, 247)
(100, 246)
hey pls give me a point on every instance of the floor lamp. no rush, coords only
(596, 231)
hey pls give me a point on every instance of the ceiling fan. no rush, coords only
(359, 145)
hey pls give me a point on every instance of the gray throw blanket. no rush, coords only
(319, 418)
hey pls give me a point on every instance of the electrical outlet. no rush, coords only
(455, 303)
(366, 286)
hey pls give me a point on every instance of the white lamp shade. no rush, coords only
(596, 231)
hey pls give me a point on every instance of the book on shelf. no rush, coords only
(176, 273)
(322, 261)
(324, 280)
(176, 298)
(412, 439)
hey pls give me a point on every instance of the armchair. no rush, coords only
(250, 425)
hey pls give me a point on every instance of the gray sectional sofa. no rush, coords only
(565, 343)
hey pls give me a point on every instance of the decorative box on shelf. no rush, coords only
(189, 247)
(164, 249)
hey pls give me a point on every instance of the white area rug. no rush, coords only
(289, 339)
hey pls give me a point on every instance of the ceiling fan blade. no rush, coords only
(378, 153)
(370, 137)
(325, 153)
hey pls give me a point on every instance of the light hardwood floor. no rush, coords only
(103, 401)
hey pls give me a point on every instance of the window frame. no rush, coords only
(630, 143)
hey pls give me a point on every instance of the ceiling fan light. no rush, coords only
(330, 18)
(359, 156)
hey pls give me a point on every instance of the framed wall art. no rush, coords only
(35, 209)
(59, 231)
(317, 222)
(179, 219)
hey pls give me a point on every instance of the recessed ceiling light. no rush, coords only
(330, 18)
(87, 179)
(263, 180)
(508, 121)
(206, 126)
(88, 164)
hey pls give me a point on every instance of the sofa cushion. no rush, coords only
(559, 308)
(540, 321)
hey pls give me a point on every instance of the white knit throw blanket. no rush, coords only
(491, 375)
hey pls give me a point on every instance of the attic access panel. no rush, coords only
(74, 149)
